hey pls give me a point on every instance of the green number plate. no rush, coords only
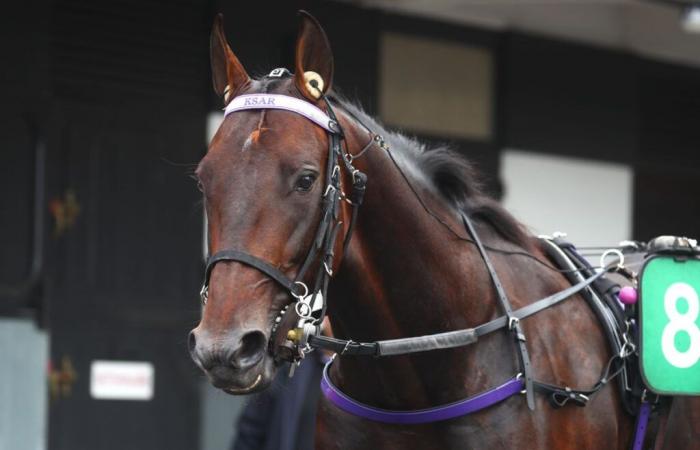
(670, 325)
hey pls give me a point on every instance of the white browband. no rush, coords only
(285, 102)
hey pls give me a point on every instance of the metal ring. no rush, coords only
(300, 296)
(300, 313)
(613, 251)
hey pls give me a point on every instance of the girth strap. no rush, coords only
(513, 321)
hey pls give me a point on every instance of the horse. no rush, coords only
(405, 265)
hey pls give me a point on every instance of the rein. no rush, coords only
(307, 337)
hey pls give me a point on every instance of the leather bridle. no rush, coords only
(322, 251)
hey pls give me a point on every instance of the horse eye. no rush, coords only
(305, 182)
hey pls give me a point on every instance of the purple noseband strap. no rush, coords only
(436, 414)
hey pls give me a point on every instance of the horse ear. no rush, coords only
(314, 59)
(228, 74)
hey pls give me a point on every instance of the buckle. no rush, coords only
(329, 188)
(333, 126)
(329, 271)
(560, 398)
(204, 294)
(519, 376)
(513, 322)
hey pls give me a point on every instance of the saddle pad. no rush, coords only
(669, 316)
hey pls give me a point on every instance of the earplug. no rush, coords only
(315, 89)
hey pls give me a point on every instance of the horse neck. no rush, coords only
(405, 275)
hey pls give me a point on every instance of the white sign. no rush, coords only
(121, 380)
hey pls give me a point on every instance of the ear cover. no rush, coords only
(313, 54)
(228, 74)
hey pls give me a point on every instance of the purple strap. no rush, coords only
(641, 427)
(436, 414)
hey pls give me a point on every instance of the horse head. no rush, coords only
(262, 181)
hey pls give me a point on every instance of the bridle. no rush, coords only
(310, 304)
(307, 337)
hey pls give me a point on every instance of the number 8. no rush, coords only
(681, 322)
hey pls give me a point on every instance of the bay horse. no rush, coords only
(409, 268)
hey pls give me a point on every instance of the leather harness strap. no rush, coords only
(253, 261)
(450, 339)
(513, 322)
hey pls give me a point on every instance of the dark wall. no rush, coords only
(24, 93)
(668, 159)
(117, 92)
(568, 99)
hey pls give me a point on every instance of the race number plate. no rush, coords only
(669, 315)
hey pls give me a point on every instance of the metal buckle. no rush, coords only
(519, 376)
(329, 188)
(204, 294)
(513, 322)
(628, 348)
(347, 345)
(278, 72)
(329, 271)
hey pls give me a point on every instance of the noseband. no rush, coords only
(323, 245)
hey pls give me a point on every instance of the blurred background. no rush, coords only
(583, 115)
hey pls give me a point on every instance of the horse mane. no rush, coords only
(453, 177)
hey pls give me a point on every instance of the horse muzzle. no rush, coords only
(236, 363)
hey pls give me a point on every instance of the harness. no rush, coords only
(310, 305)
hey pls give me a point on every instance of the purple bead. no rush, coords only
(628, 295)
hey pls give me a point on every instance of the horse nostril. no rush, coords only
(251, 351)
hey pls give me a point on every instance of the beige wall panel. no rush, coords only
(436, 87)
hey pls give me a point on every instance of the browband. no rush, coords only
(285, 102)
